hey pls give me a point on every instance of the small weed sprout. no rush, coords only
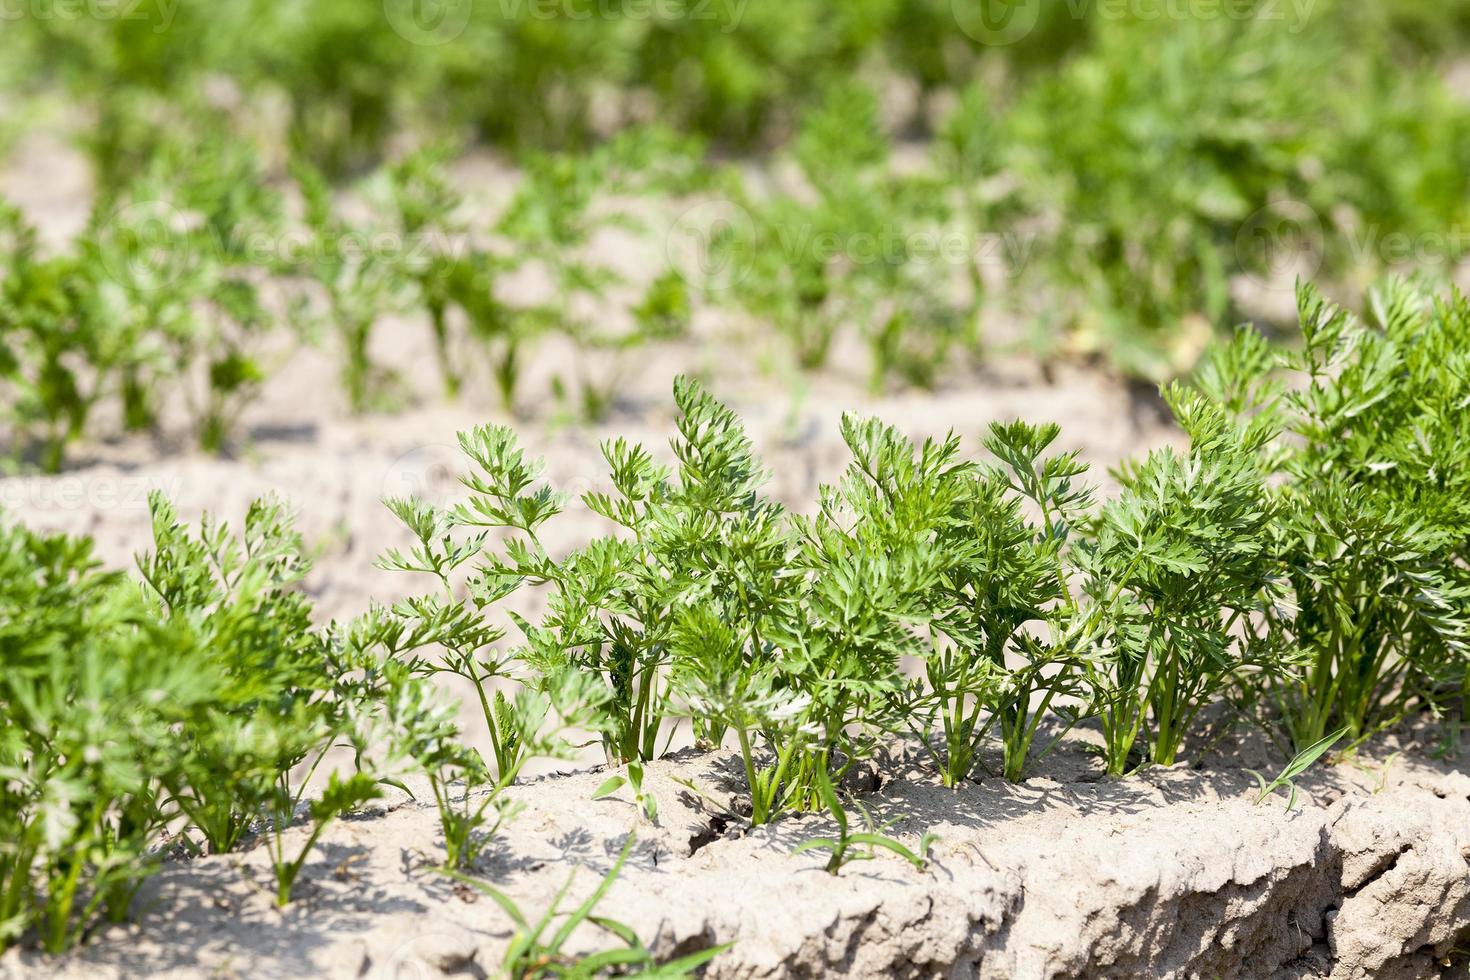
(1298, 765)
(537, 949)
(634, 781)
(844, 848)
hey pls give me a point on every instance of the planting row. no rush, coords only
(1305, 563)
(197, 277)
(194, 284)
(349, 76)
(1155, 179)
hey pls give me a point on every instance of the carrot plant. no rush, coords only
(456, 278)
(87, 689)
(450, 273)
(158, 301)
(62, 344)
(1179, 565)
(237, 598)
(551, 222)
(343, 71)
(1302, 557)
(179, 246)
(613, 602)
(423, 729)
(859, 249)
(452, 624)
(190, 708)
(340, 795)
(1142, 234)
(566, 201)
(1008, 638)
(797, 641)
(1146, 239)
(471, 801)
(864, 607)
(436, 634)
(1374, 505)
(359, 282)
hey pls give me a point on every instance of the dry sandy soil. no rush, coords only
(1171, 873)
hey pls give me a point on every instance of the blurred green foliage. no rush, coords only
(557, 72)
(1123, 178)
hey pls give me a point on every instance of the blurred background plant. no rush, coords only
(1107, 184)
